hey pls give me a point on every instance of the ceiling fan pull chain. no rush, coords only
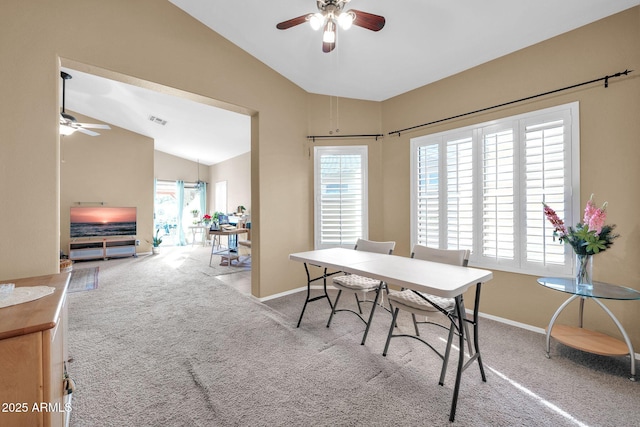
(337, 114)
(330, 115)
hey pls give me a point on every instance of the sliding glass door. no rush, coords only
(178, 205)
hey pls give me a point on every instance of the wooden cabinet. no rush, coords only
(102, 248)
(33, 352)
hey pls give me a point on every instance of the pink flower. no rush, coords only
(594, 218)
(557, 223)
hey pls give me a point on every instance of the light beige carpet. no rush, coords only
(162, 342)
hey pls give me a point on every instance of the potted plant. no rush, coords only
(241, 209)
(206, 219)
(195, 213)
(157, 240)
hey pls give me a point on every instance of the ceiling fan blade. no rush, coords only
(368, 20)
(328, 47)
(92, 126)
(87, 132)
(292, 22)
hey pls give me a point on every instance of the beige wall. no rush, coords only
(610, 151)
(115, 168)
(237, 173)
(331, 116)
(173, 168)
(154, 41)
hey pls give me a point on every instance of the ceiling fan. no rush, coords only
(68, 123)
(330, 15)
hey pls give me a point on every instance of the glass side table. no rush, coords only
(584, 339)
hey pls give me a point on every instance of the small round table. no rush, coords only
(584, 339)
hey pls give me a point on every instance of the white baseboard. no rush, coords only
(284, 294)
(488, 316)
(510, 322)
(481, 314)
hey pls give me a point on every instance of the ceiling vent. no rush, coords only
(157, 120)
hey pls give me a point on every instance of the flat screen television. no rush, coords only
(102, 221)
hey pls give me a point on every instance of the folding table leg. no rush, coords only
(456, 388)
(373, 309)
(464, 331)
(324, 294)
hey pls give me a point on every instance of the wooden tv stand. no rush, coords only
(102, 247)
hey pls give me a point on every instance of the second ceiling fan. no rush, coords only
(331, 14)
(68, 123)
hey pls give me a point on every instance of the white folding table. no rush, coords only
(434, 278)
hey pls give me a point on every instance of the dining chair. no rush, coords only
(426, 305)
(360, 284)
(244, 242)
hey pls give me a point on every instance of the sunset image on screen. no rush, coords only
(103, 215)
(102, 221)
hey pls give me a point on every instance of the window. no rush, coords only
(482, 187)
(340, 184)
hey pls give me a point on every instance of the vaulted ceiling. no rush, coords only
(422, 41)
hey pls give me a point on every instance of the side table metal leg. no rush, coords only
(632, 354)
(553, 320)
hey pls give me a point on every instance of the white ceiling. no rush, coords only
(194, 131)
(423, 41)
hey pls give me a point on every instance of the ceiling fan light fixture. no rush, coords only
(330, 15)
(345, 20)
(329, 35)
(66, 130)
(316, 21)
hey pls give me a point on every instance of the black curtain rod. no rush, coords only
(606, 84)
(314, 137)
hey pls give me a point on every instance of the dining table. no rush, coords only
(420, 276)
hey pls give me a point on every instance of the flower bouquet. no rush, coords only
(587, 238)
(206, 219)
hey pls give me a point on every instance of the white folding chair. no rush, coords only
(359, 284)
(422, 304)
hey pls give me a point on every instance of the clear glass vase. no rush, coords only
(584, 271)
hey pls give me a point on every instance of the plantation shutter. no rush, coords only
(340, 188)
(548, 172)
(428, 206)
(444, 193)
(482, 187)
(498, 194)
(459, 194)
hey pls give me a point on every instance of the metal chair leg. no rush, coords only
(445, 360)
(415, 324)
(390, 334)
(335, 305)
(358, 302)
(386, 288)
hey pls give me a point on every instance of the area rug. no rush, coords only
(83, 279)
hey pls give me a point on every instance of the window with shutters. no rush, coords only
(482, 187)
(340, 196)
